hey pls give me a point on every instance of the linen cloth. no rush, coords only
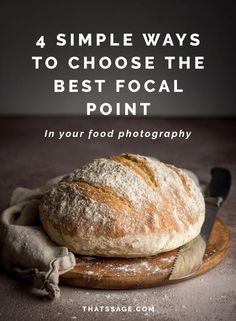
(25, 248)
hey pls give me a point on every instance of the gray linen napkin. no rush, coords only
(24, 246)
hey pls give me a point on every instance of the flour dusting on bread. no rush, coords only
(121, 179)
(126, 206)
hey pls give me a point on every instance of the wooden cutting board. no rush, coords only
(119, 273)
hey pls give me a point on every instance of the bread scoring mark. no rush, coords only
(120, 178)
(104, 191)
(105, 220)
(139, 166)
(142, 164)
(181, 176)
(187, 217)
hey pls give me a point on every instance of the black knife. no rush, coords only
(190, 255)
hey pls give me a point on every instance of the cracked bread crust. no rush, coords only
(123, 206)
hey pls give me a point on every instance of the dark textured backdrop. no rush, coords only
(26, 91)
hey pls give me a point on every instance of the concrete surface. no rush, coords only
(27, 159)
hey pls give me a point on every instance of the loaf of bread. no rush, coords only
(123, 206)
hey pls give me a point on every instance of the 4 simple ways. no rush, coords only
(119, 135)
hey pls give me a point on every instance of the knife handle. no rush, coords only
(219, 185)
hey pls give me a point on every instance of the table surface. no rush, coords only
(28, 159)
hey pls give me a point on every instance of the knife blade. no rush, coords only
(190, 256)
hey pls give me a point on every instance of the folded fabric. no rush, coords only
(24, 246)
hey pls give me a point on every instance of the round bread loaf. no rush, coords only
(123, 206)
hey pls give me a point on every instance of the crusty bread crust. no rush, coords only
(123, 206)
